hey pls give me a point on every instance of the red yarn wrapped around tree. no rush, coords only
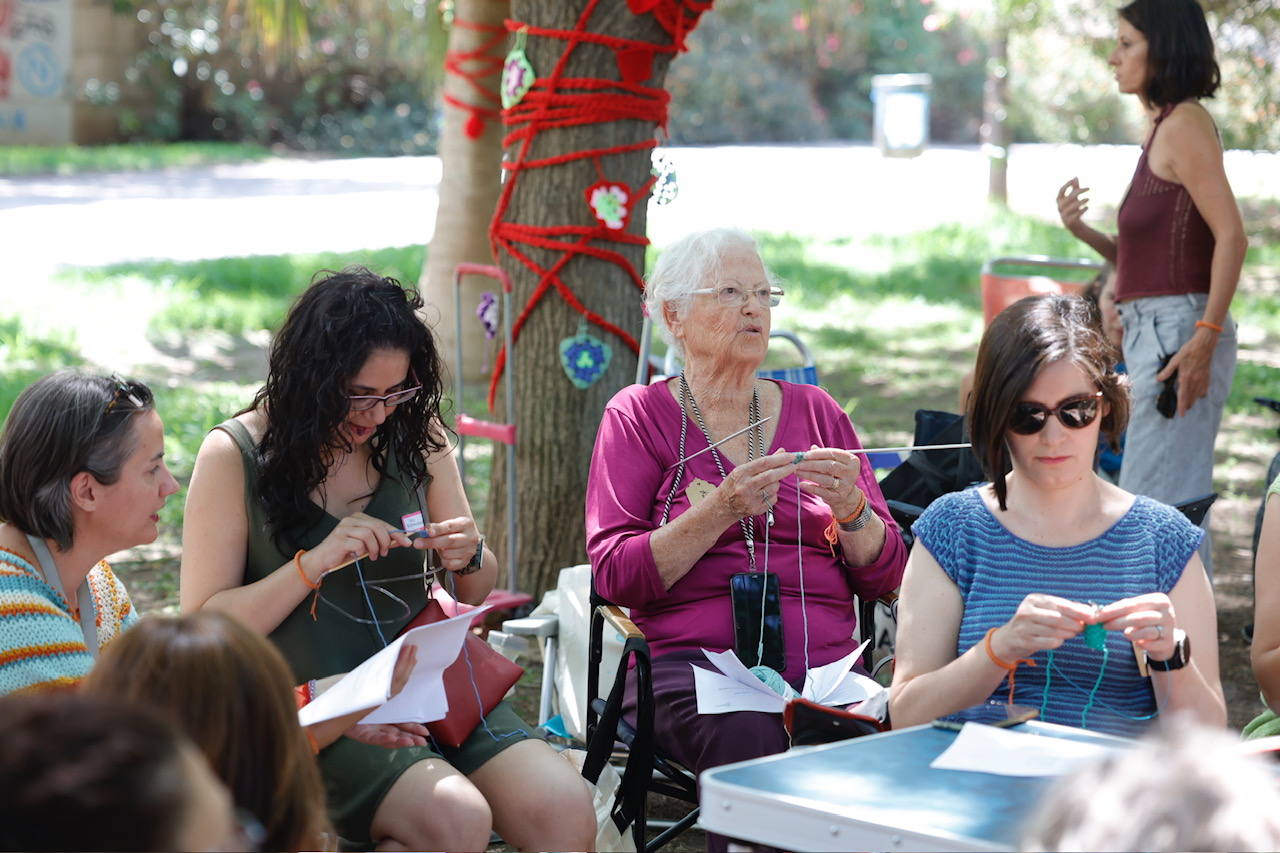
(557, 101)
(473, 66)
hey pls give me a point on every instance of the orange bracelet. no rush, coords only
(315, 587)
(1205, 324)
(1011, 667)
(862, 504)
(297, 564)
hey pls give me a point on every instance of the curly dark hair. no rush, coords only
(1179, 49)
(330, 332)
(1024, 338)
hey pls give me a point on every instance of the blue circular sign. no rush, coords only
(39, 71)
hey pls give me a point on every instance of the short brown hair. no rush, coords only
(230, 690)
(1023, 339)
(89, 773)
(62, 424)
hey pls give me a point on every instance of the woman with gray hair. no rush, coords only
(82, 476)
(684, 537)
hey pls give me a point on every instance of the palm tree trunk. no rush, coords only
(469, 187)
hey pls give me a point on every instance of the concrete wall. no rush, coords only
(49, 49)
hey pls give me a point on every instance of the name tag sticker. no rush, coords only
(698, 491)
(412, 522)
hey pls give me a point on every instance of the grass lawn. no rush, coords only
(22, 160)
(893, 321)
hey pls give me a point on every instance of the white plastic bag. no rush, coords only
(608, 836)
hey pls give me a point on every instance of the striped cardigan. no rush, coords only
(41, 642)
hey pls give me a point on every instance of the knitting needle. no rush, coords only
(721, 441)
(917, 447)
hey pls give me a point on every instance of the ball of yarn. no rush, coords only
(1095, 636)
(774, 681)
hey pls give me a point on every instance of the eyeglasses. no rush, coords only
(365, 402)
(123, 392)
(735, 297)
(1075, 413)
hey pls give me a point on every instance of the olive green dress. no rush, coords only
(358, 775)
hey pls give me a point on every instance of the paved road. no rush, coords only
(341, 205)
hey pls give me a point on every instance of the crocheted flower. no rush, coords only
(608, 202)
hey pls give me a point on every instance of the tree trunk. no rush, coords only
(469, 187)
(556, 421)
(995, 110)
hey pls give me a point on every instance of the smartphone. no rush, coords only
(999, 714)
(756, 602)
(1167, 402)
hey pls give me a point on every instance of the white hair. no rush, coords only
(1186, 787)
(691, 262)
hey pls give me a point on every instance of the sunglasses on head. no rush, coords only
(1075, 413)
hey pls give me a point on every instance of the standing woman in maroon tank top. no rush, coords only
(1178, 252)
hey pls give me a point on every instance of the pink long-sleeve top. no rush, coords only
(637, 443)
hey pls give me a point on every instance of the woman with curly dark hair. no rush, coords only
(341, 448)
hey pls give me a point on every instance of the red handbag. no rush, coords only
(493, 676)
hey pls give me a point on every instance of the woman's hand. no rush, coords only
(831, 474)
(390, 735)
(1146, 620)
(1041, 622)
(1192, 362)
(1072, 204)
(752, 488)
(355, 537)
(454, 541)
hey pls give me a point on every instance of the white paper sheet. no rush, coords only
(367, 686)
(986, 749)
(734, 688)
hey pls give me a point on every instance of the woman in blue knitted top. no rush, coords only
(1049, 586)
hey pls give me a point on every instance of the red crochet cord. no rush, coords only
(556, 101)
(483, 62)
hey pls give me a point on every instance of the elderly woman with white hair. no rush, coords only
(777, 528)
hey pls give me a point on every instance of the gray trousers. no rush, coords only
(1171, 459)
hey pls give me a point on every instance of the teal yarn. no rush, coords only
(1095, 637)
(774, 681)
(1093, 692)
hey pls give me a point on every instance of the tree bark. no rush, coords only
(556, 421)
(469, 187)
(995, 111)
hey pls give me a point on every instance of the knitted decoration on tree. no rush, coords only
(584, 357)
(609, 203)
(517, 73)
(665, 188)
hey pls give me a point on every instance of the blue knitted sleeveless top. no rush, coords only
(1145, 551)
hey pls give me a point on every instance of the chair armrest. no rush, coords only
(620, 622)
(547, 625)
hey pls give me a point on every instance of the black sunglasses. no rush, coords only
(1075, 413)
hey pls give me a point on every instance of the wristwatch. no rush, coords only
(1181, 654)
(476, 559)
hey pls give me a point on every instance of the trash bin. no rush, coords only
(901, 113)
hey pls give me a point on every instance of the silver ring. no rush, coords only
(1159, 632)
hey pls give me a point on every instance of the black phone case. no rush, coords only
(745, 591)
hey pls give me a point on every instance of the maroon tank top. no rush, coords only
(1164, 246)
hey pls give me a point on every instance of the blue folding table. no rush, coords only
(875, 793)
